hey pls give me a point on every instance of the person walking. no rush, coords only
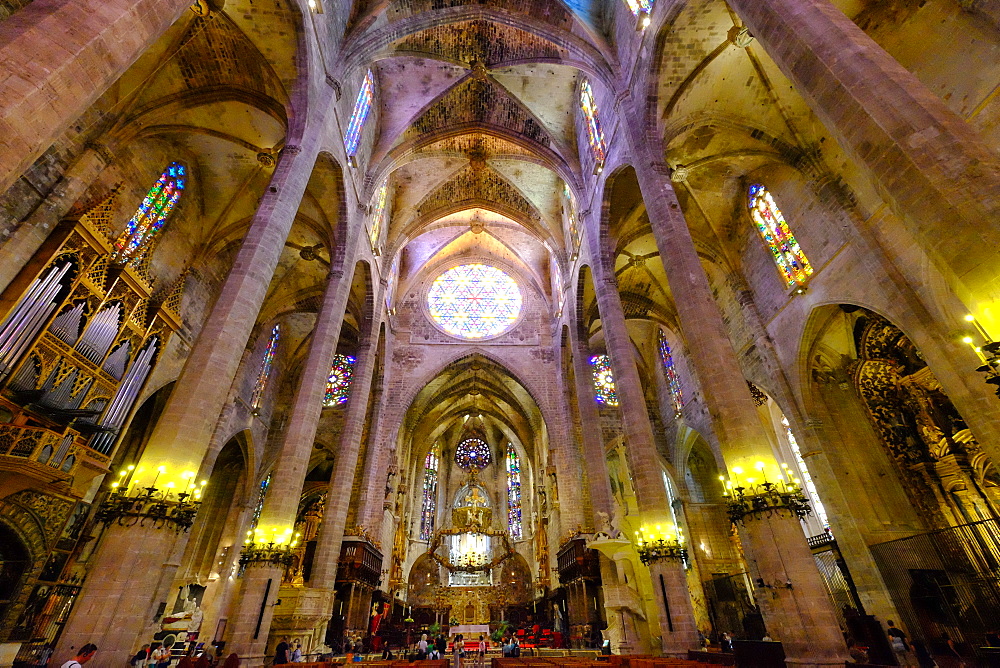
(899, 644)
(85, 654)
(281, 652)
(481, 654)
(422, 648)
(458, 649)
(441, 644)
(141, 657)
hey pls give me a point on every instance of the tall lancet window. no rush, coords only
(259, 506)
(148, 220)
(514, 493)
(807, 480)
(605, 391)
(338, 385)
(265, 369)
(670, 371)
(429, 507)
(595, 135)
(378, 214)
(792, 262)
(362, 106)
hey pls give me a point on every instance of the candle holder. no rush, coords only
(273, 554)
(991, 364)
(766, 499)
(661, 549)
(149, 506)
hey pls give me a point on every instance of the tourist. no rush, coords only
(900, 646)
(857, 653)
(140, 658)
(458, 649)
(481, 652)
(442, 645)
(726, 642)
(422, 647)
(296, 656)
(85, 654)
(281, 652)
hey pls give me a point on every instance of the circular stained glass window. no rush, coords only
(473, 453)
(474, 301)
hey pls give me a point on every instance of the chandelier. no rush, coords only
(764, 498)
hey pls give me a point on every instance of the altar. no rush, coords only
(470, 631)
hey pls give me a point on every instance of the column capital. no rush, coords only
(102, 150)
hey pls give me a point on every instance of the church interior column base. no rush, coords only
(302, 614)
(678, 630)
(250, 618)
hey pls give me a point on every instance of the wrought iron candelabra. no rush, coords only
(275, 554)
(149, 505)
(661, 549)
(766, 499)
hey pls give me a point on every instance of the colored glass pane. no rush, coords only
(595, 135)
(149, 218)
(807, 481)
(670, 371)
(514, 493)
(378, 213)
(265, 369)
(574, 232)
(429, 506)
(473, 301)
(473, 453)
(604, 381)
(640, 6)
(338, 384)
(261, 496)
(362, 106)
(791, 261)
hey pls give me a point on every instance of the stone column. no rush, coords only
(592, 441)
(19, 248)
(289, 473)
(928, 163)
(338, 498)
(800, 616)
(120, 598)
(677, 624)
(57, 57)
(372, 501)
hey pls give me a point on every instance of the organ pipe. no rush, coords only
(125, 397)
(27, 318)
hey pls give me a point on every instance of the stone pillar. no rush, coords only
(594, 456)
(801, 616)
(673, 600)
(373, 498)
(105, 612)
(338, 498)
(35, 229)
(57, 57)
(928, 163)
(251, 616)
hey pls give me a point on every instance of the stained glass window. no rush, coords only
(338, 385)
(429, 507)
(604, 381)
(640, 6)
(595, 136)
(362, 106)
(149, 218)
(807, 480)
(514, 493)
(574, 232)
(673, 379)
(791, 261)
(265, 369)
(473, 301)
(473, 453)
(378, 213)
(261, 495)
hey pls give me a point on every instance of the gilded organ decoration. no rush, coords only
(934, 449)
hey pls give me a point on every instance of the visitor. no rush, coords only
(924, 658)
(952, 657)
(515, 647)
(85, 654)
(481, 653)
(857, 653)
(422, 648)
(726, 642)
(141, 657)
(900, 646)
(281, 652)
(442, 645)
(296, 656)
(458, 650)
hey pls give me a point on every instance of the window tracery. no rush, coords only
(378, 214)
(428, 507)
(595, 135)
(474, 301)
(604, 381)
(514, 493)
(257, 397)
(362, 106)
(473, 454)
(788, 255)
(144, 225)
(338, 384)
(807, 480)
(670, 371)
(259, 506)
(637, 6)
